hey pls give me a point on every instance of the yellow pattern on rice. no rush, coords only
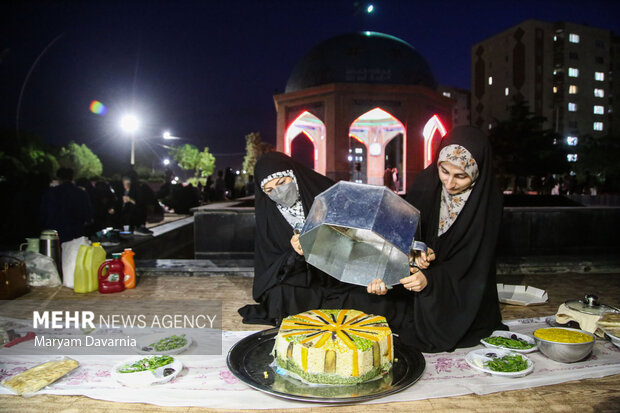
(373, 329)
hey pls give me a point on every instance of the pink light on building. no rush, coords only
(432, 126)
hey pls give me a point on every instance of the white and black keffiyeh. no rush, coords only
(295, 214)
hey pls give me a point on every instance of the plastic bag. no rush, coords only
(69, 256)
(41, 269)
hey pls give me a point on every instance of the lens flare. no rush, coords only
(98, 108)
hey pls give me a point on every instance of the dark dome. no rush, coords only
(364, 57)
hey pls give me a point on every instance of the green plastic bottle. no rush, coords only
(89, 258)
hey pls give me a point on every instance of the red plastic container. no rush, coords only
(112, 280)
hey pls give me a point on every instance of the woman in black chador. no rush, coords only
(451, 297)
(283, 283)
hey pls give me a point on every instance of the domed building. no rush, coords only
(359, 103)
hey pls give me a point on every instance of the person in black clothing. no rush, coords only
(87, 186)
(185, 197)
(208, 190)
(66, 208)
(166, 189)
(135, 200)
(220, 186)
(229, 181)
(105, 212)
(451, 296)
(283, 283)
(249, 186)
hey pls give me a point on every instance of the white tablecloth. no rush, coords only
(206, 381)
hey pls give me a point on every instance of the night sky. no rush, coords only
(207, 70)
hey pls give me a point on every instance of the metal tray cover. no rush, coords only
(251, 357)
(357, 232)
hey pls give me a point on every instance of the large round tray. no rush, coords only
(250, 359)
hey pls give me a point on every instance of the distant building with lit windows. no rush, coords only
(462, 104)
(563, 70)
(359, 103)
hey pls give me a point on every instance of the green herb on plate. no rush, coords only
(514, 343)
(169, 343)
(148, 363)
(507, 364)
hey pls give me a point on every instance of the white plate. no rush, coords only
(521, 295)
(614, 338)
(145, 341)
(144, 378)
(477, 358)
(508, 334)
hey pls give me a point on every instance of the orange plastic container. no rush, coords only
(130, 268)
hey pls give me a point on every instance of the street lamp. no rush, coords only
(166, 161)
(129, 123)
(168, 136)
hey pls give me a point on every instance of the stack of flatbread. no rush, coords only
(34, 379)
(610, 322)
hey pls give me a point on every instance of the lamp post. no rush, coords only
(168, 137)
(129, 123)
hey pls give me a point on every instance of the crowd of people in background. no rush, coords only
(552, 184)
(83, 207)
(391, 179)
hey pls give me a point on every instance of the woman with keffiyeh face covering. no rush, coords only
(451, 293)
(283, 283)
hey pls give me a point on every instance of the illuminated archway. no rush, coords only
(375, 129)
(358, 154)
(302, 149)
(313, 130)
(431, 128)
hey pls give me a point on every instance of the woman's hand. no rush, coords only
(377, 286)
(415, 282)
(296, 244)
(423, 259)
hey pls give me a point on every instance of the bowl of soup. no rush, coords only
(566, 345)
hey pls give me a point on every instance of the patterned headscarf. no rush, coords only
(451, 205)
(294, 215)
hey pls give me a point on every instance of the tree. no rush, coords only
(598, 157)
(254, 149)
(25, 154)
(522, 148)
(188, 157)
(81, 159)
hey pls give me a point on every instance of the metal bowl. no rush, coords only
(565, 352)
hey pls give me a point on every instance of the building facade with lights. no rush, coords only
(462, 104)
(563, 70)
(360, 103)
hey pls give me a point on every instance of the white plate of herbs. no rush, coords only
(163, 344)
(508, 340)
(499, 362)
(141, 371)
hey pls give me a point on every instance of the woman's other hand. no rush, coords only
(415, 282)
(423, 259)
(377, 287)
(296, 244)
